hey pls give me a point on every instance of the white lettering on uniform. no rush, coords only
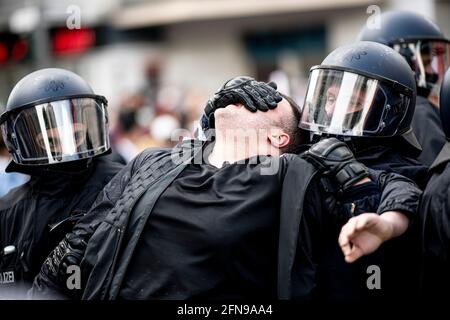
(6, 277)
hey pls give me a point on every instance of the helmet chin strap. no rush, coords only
(68, 168)
(353, 143)
(316, 137)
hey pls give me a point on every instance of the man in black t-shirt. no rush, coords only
(207, 237)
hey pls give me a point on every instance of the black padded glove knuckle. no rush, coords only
(236, 82)
(268, 94)
(209, 108)
(273, 85)
(67, 253)
(337, 161)
(254, 93)
(271, 96)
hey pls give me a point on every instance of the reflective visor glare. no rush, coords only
(344, 103)
(61, 130)
(440, 57)
(429, 59)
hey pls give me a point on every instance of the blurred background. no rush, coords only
(158, 61)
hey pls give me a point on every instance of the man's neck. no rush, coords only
(233, 149)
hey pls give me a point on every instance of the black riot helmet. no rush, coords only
(417, 39)
(445, 104)
(364, 89)
(53, 116)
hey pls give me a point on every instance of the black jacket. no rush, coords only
(435, 227)
(35, 216)
(402, 255)
(126, 203)
(387, 158)
(427, 127)
(317, 269)
(109, 220)
(399, 257)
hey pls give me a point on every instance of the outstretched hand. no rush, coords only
(364, 234)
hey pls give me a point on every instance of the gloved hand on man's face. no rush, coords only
(252, 94)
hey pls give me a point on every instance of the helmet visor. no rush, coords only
(429, 60)
(60, 131)
(345, 103)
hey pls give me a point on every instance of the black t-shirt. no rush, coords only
(212, 234)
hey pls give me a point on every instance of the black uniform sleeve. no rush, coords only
(398, 193)
(318, 218)
(435, 238)
(427, 127)
(51, 280)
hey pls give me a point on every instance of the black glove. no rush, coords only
(337, 161)
(68, 252)
(254, 95)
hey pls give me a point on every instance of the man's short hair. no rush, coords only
(290, 126)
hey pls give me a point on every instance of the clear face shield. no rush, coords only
(344, 103)
(429, 60)
(58, 131)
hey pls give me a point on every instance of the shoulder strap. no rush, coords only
(295, 184)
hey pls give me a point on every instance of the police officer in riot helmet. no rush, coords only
(435, 212)
(364, 94)
(336, 279)
(427, 52)
(56, 130)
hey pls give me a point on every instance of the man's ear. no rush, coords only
(278, 138)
